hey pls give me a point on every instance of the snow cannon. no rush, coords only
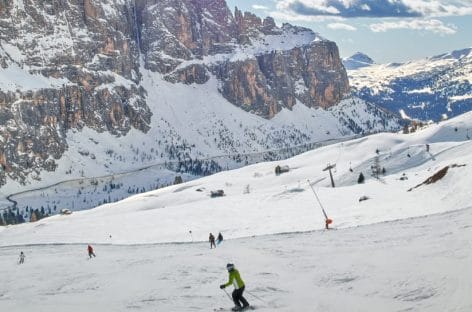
(328, 222)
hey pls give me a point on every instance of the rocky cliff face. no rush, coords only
(311, 75)
(263, 70)
(83, 55)
(70, 64)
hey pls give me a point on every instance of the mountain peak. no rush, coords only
(357, 60)
(456, 54)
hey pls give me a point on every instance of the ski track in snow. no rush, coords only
(418, 264)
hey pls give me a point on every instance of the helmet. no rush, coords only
(230, 266)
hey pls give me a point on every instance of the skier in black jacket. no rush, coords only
(211, 238)
(219, 239)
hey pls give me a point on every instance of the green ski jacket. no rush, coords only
(235, 279)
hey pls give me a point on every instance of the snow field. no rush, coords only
(420, 264)
(257, 202)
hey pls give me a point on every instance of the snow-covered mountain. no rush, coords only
(357, 60)
(417, 261)
(423, 89)
(126, 95)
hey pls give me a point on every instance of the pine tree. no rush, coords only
(34, 217)
(376, 169)
(19, 217)
(361, 178)
(406, 129)
(11, 218)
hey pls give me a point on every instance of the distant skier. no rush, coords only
(211, 238)
(22, 258)
(219, 239)
(90, 251)
(235, 279)
(427, 148)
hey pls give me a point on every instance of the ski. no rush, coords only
(231, 309)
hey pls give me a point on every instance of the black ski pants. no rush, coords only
(238, 297)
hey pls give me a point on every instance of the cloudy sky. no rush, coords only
(386, 30)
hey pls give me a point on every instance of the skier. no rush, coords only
(211, 238)
(219, 239)
(235, 279)
(90, 251)
(22, 258)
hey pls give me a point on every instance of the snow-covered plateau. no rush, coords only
(401, 241)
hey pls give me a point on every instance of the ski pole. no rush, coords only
(258, 298)
(227, 294)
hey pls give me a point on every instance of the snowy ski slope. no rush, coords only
(397, 251)
(258, 202)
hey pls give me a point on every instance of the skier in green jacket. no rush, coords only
(235, 279)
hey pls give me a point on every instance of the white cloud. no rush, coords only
(259, 7)
(347, 8)
(341, 26)
(435, 8)
(375, 8)
(292, 17)
(433, 25)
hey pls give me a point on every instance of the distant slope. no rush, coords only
(258, 202)
(424, 89)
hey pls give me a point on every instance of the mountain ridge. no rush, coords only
(424, 89)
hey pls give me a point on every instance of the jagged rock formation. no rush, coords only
(70, 64)
(191, 34)
(309, 74)
(86, 54)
